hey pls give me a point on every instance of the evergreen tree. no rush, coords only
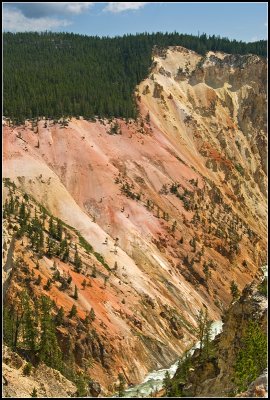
(59, 318)
(8, 326)
(59, 229)
(73, 311)
(92, 314)
(252, 355)
(30, 332)
(75, 293)
(51, 227)
(50, 248)
(64, 250)
(74, 59)
(94, 272)
(27, 369)
(121, 385)
(48, 284)
(49, 351)
(77, 261)
(34, 393)
(234, 291)
(174, 226)
(203, 332)
(167, 382)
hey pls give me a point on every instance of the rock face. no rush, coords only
(47, 381)
(180, 195)
(94, 389)
(217, 377)
(258, 388)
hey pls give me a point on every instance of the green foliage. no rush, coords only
(80, 382)
(48, 284)
(263, 287)
(29, 322)
(54, 84)
(49, 351)
(64, 250)
(8, 325)
(89, 249)
(9, 184)
(100, 258)
(87, 246)
(77, 261)
(234, 291)
(240, 169)
(27, 369)
(203, 332)
(73, 311)
(94, 272)
(121, 385)
(59, 318)
(59, 229)
(115, 129)
(252, 356)
(92, 314)
(167, 382)
(75, 293)
(174, 385)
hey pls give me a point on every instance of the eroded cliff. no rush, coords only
(176, 200)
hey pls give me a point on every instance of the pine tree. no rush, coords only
(8, 326)
(50, 248)
(94, 272)
(48, 284)
(51, 227)
(73, 311)
(167, 382)
(27, 369)
(77, 261)
(203, 331)
(234, 291)
(30, 332)
(59, 318)
(49, 351)
(92, 315)
(121, 386)
(174, 226)
(75, 293)
(34, 393)
(59, 229)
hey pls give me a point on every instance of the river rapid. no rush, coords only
(154, 380)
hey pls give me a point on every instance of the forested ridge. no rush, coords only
(65, 74)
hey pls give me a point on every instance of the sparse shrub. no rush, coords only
(34, 393)
(263, 287)
(27, 369)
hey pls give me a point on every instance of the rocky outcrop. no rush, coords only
(47, 381)
(219, 375)
(258, 388)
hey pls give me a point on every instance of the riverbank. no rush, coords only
(153, 383)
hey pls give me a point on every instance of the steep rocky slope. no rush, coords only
(239, 358)
(181, 192)
(46, 381)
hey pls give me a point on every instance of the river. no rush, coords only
(154, 380)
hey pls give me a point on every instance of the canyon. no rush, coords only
(173, 204)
